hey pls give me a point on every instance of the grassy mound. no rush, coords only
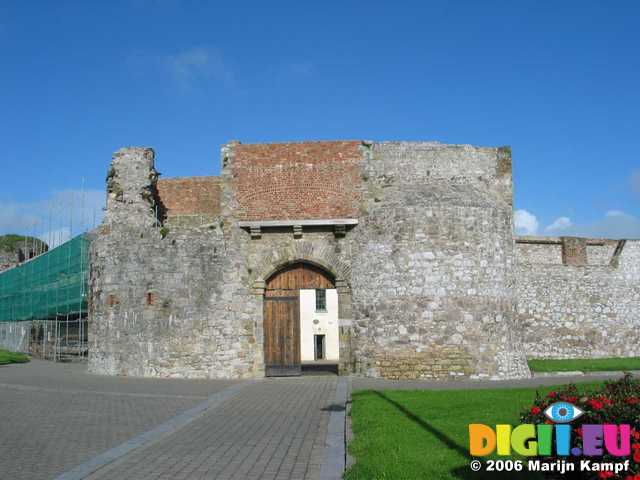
(7, 357)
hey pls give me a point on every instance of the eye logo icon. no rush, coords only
(562, 412)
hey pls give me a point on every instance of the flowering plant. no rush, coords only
(616, 402)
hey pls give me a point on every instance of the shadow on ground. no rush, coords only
(464, 473)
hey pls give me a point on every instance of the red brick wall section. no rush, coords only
(295, 181)
(189, 196)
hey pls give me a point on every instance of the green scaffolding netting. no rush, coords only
(50, 285)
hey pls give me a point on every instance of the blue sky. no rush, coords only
(558, 81)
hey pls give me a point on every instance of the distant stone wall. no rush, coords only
(572, 310)
(432, 266)
(15, 249)
(8, 260)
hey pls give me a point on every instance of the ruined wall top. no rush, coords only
(131, 188)
(306, 180)
(445, 161)
(441, 173)
(569, 251)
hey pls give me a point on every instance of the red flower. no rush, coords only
(551, 394)
(595, 404)
(636, 456)
(605, 474)
(578, 432)
(636, 435)
(632, 400)
(635, 446)
(572, 399)
(535, 410)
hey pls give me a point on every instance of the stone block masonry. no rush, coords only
(164, 301)
(582, 305)
(431, 281)
(433, 264)
(131, 192)
(168, 306)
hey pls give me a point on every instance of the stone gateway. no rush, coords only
(391, 259)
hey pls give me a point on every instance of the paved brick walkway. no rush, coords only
(272, 429)
(56, 416)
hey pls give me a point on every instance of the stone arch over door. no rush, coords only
(289, 308)
(321, 257)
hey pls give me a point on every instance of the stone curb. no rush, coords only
(333, 462)
(167, 428)
(348, 433)
(578, 373)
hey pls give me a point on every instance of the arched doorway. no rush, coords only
(300, 319)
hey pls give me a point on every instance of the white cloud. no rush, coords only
(615, 213)
(614, 224)
(192, 68)
(525, 222)
(559, 224)
(60, 216)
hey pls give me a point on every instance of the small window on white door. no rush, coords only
(319, 347)
(321, 300)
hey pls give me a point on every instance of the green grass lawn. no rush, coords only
(585, 365)
(424, 434)
(12, 357)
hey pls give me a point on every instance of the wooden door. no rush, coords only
(282, 355)
(282, 336)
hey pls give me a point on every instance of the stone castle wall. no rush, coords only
(165, 301)
(568, 309)
(433, 282)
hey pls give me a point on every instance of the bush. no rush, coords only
(616, 402)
